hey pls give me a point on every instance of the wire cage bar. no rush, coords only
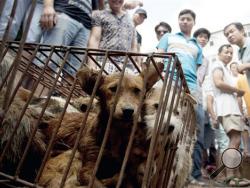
(49, 111)
(45, 82)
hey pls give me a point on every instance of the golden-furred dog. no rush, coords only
(90, 142)
(122, 121)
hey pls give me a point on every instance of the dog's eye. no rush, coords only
(156, 105)
(136, 91)
(113, 89)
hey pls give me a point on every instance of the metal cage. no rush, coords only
(18, 69)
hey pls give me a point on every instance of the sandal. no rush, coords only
(236, 182)
(246, 156)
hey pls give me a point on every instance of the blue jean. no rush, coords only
(35, 31)
(68, 32)
(199, 144)
(222, 139)
(21, 10)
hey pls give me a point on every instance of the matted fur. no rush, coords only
(5, 65)
(14, 152)
(24, 130)
(56, 166)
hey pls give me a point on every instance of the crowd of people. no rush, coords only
(220, 88)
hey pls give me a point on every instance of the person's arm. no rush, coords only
(48, 18)
(199, 58)
(220, 84)
(210, 109)
(134, 46)
(162, 47)
(202, 70)
(240, 103)
(94, 41)
(244, 67)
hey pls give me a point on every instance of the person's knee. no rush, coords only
(235, 138)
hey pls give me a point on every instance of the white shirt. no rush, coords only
(225, 103)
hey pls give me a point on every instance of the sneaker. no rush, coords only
(198, 181)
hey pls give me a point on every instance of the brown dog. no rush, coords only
(90, 142)
(122, 121)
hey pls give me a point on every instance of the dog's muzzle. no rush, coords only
(128, 113)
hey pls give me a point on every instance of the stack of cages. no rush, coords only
(134, 127)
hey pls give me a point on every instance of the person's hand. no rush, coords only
(240, 93)
(214, 122)
(242, 68)
(48, 18)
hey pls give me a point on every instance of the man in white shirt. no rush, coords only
(226, 103)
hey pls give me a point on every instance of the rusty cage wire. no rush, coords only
(29, 65)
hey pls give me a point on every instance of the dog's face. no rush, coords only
(81, 103)
(128, 95)
(150, 109)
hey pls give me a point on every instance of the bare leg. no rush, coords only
(245, 137)
(234, 142)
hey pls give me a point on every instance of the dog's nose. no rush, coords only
(83, 107)
(128, 113)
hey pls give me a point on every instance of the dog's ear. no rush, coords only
(153, 74)
(87, 78)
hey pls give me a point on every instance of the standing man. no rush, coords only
(138, 18)
(189, 53)
(113, 29)
(66, 22)
(20, 12)
(161, 29)
(236, 34)
(226, 105)
(202, 36)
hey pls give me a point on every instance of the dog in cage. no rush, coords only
(15, 151)
(25, 128)
(126, 108)
(150, 107)
(183, 160)
(90, 143)
(167, 131)
(95, 126)
(183, 156)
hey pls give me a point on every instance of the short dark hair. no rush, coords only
(224, 46)
(187, 11)
(233, 63)
(202, 31)
(163, 24)
(238, 25)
